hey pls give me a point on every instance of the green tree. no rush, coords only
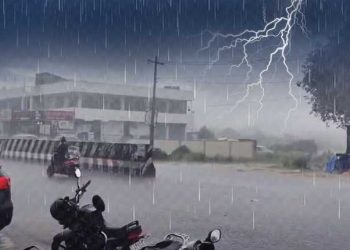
(327, 79)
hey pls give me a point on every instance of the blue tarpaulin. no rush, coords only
(338, 163)
(330, 167)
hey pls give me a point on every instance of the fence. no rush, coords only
(134, 159)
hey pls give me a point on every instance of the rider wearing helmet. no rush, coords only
(61, 150)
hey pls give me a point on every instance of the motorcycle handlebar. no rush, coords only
(83, 188)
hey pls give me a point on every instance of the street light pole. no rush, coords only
(153, 107)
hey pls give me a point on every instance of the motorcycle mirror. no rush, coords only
(77, 173)
(215, 235)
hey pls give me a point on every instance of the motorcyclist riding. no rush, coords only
(61, 151)
(64, 160)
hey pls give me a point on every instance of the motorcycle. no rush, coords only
(176, 241)
(86, 225)
(70, 163)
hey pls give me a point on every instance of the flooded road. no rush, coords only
(255, 209)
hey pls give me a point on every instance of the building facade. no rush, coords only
(106, 112)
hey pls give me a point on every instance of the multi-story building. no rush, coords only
(109, 112)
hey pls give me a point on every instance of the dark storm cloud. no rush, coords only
(110, 34)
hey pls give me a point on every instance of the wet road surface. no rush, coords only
(255, 209)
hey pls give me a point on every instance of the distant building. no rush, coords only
(107, 112)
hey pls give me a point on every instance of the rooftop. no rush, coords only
(47, 83)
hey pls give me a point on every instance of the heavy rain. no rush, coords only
(197, 124)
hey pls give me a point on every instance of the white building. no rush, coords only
(110, 111)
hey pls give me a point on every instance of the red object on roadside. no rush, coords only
(4, 183)
(135, 235)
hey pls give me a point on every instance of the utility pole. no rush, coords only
(153, 107)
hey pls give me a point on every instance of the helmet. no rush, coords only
(63, 139)
(98, 203)
(59, 209)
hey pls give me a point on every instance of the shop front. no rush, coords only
(42, 123)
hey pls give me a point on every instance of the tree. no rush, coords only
(205, 133)
(327, 79)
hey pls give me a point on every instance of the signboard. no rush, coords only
(45, 129)
(69, 125)
(58, 115)
(23, 115)
(42, 115)
(5, 115)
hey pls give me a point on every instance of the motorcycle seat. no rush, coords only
(122, 232)
(115, 232)
(165, 245)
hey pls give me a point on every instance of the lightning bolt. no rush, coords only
(279, 28)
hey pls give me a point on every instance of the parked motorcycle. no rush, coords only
(68, 166)
(85, 226)
(176, 241)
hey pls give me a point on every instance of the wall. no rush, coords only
(195, 146)
(217, 148)
(241, 149)
(167, 146)
(128, 158)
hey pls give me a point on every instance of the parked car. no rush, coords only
(6, 206)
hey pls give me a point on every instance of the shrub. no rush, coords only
(295, 161)
(268, 157)
(305, 146)
(180, 153)
(320, 161)
(159, 154)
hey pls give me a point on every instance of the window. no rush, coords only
(91, 101)
(161, 106)
(177, 107)
(71, 100)
(112, 102)
(37, 102)
(13, 103)
(136, 103)
(54, 101)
